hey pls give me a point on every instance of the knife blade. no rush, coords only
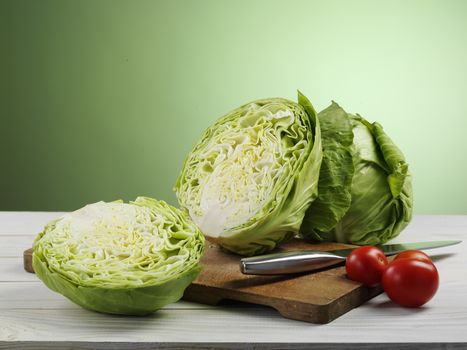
(309, 260)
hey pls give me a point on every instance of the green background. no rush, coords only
(103, 99)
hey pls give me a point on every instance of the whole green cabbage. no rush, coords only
(365, 190)
(120, 258)
(249, 180)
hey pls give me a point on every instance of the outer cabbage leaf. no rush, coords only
(335, 179)
(249, 180)
(380, 188)
(120, 258)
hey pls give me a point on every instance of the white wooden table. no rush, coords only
(33, 317)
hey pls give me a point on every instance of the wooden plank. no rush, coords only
(372, 323)
(440, 226)
(12, 270)
(31, 223)
(83, 345)
(14, 245)
(17, 295)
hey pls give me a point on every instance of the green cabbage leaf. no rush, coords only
(249, 180)
(365, 190)
(120, 258)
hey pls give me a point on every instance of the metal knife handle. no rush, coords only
(289, 262)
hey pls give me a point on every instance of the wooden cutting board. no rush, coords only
(317, 297)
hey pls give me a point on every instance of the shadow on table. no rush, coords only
(388, 305)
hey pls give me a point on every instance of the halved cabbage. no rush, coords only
(365, 189)
(251, 177)
(120, 258)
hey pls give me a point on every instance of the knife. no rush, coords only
(309, 260)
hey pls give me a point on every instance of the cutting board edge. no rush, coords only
(291, 309)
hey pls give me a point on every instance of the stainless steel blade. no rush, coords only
(392, 249)
(309, 260)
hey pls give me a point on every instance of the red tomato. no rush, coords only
(414, 254)
(366, 265)
(410, 282)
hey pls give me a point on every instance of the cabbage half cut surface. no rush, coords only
(365, 187)
(249, 180)
(120, 258)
